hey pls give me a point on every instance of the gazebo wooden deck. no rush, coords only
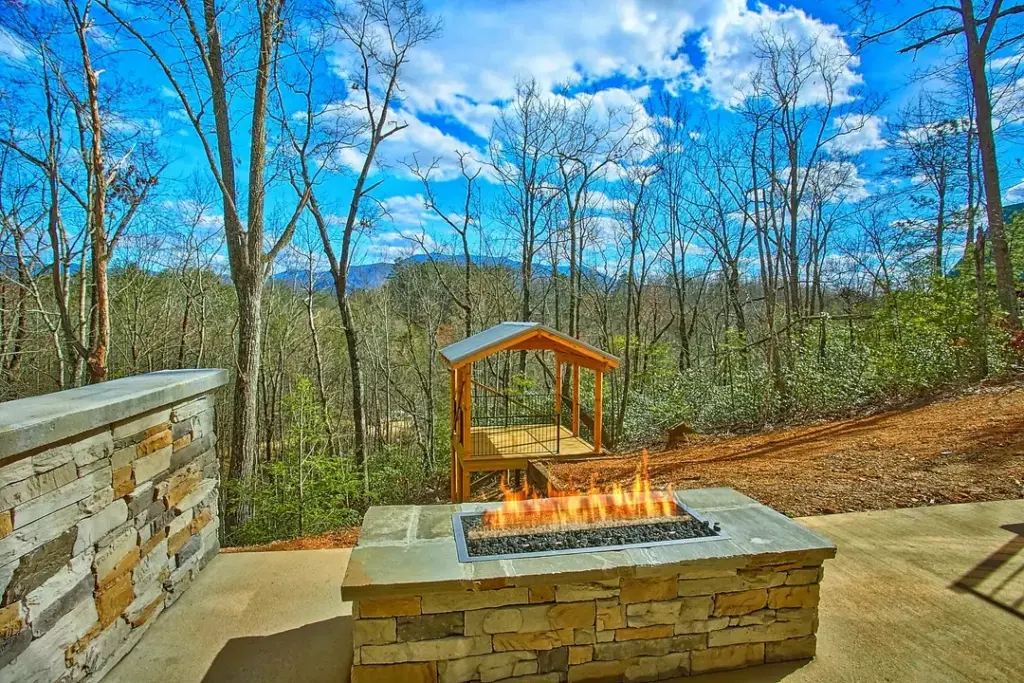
(495, 430)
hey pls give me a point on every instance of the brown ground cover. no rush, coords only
(963, 449)
(343, 538)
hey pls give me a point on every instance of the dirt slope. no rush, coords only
(965, 449)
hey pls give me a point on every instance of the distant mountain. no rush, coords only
(373, 275)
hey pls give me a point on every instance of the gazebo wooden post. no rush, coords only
(452, 400)
(558, 393)
(598, 408)
(467, 430)
(575, 399)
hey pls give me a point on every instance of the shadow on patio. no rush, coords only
(999, 578)
(314, 653)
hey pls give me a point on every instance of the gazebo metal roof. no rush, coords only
(508, 335)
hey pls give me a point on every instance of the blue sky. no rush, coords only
(622, 52)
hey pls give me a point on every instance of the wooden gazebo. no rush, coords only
(494, 430)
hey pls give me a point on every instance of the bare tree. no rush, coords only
(460, 223)
(203, 76)
(522, 142)
(116, 174)
(377, 36)
(929, 143)
(999, 27)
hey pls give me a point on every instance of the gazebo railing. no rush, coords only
(506, 416)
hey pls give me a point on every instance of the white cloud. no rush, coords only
(1015, 194)
(731, 47)
(12, 49)
(487, 46)
(408, 210)
(858, 133)
(390, 246)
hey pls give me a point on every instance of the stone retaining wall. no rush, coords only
(102, 530)
(708, 618)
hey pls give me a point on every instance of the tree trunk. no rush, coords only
(247, 371)
(990, 167)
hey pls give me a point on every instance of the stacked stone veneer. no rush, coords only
(695, 620)
(102, 531)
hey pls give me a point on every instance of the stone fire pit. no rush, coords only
(638, 614)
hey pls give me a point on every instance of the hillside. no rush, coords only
(969, 448)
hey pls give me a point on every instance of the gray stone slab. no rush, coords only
(31, 423)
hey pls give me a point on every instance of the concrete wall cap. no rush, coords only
(28, 424)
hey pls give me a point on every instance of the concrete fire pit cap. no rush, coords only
(410, 549)
(31, 423)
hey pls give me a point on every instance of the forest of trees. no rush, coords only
(735, 261)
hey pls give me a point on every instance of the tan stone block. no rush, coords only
(571, 615)
(668, 612)
(579, 654)
(790, 649)
(155, 429)
(418, 672)
(644, 632)
(793, 597)
(122, 457)
(629, 649)
(124, 481)
(389, 607)
(6, 523)
(736, 604)
(490, 621)
(541, 640)
(161, 438)
(702, 625)
(726, 658)
(490, 667)
(610, 616)
(113, 599)
(182, 442)
(801, 577)
(779, 630)
(593, 590)
(648, 590)
(11, 622)
(181, 484)
(125, 565)
(703, 571)
(201, 520)
(530, 618)
(458, 601)
(145, 468)
(177, 541)
(426, 650)
(743, 581)
(432, 626)
(597, 671)
(373, 632)
(147, 613)
(154, 540)
(542, 594)
(763, 616)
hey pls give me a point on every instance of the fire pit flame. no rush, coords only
(524, 509)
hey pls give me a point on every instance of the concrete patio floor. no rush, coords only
(924, 594)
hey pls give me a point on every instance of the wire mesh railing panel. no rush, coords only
(516, 423)
(586, 429)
